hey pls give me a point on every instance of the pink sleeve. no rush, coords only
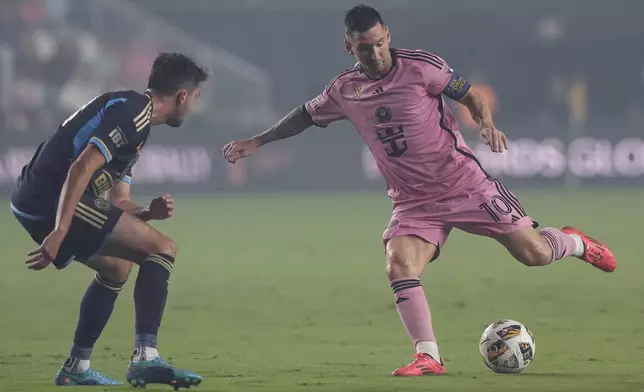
(325, 109)
(439, 78)
(436, 74)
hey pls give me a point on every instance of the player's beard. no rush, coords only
(378, 69)
(176, 119)
(174, 122)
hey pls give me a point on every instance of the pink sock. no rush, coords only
(413, 309)
(562, 244)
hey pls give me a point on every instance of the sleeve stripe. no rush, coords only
(328, 87)
(102, 147)
(429, 56)
(142, 122)
(306, 112)
(127, 180)
(143, 112)
(423, 59)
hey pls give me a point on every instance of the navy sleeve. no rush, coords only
(119, 127)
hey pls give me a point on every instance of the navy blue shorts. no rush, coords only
(94, 219)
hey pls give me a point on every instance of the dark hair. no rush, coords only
(174, 71)
(361, 18)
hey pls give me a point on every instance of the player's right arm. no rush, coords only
(108, 141)
(78, 177)
(292, 124)
(320, 111)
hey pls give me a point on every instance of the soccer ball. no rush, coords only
(507, 346)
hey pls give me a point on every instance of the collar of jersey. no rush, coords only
(393, 65)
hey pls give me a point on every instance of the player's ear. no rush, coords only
(182, 96)
(347, 47)
(387, 34)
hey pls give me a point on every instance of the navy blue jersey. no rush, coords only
(117, 123)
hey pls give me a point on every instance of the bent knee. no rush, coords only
(407, 257)
(115, 271)
(403, 266)
(165, 246)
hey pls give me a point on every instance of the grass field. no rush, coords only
(289, 294)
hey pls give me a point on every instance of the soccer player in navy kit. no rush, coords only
(73, 199)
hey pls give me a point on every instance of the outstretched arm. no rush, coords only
(320, 111)
(292, 124)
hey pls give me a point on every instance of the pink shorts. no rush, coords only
(493, 211)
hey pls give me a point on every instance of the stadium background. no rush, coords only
(284, 291)
(567, 84)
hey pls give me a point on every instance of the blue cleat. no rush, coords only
(88, 377)
(157, 371)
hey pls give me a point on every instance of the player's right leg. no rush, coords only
(409, 246)
(544, 247)
(496, 212)
(88, 230)
(133, 239)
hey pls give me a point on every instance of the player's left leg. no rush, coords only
(410, 243)
(100, 231)
(133, 239)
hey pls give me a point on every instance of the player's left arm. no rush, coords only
(441, 79)
(458, 89)
(479, 109)
(482, 115)
(159, 208)
(121, 196)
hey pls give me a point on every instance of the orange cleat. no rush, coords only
(423, 365)
(595, 252)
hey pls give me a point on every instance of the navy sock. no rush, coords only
(150, 294)
(95, 311)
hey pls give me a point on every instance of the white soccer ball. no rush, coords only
(507, 346)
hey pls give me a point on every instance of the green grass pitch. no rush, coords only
(288, 293)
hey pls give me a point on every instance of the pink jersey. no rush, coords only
(404, 121)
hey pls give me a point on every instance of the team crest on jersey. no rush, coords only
(357, 88)
(383, 114)
(103, 204)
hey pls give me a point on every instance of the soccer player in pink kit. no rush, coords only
(395, 100)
